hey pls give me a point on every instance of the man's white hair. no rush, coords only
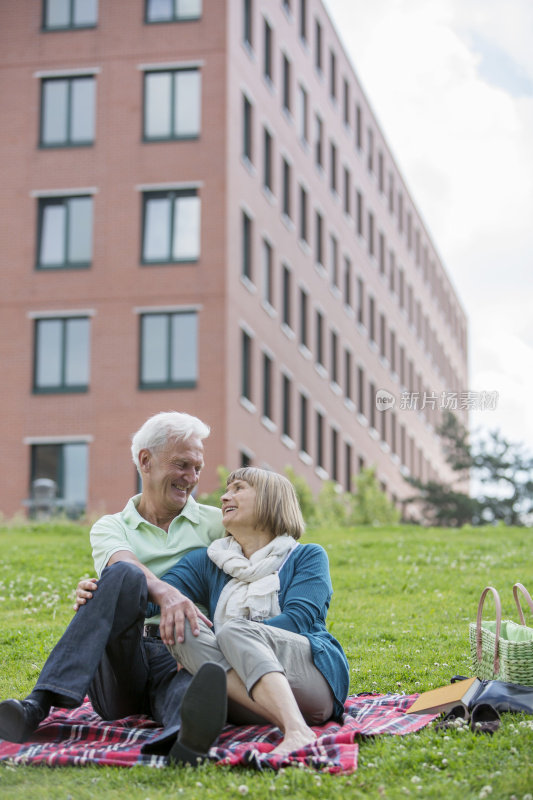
(165, 428)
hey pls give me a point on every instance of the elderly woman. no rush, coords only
(268, 598)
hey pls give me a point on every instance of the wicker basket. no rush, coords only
(502, 650)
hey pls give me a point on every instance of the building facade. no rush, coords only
(200, 212)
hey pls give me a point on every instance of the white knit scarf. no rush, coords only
(252, 592)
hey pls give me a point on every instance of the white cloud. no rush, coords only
(443, 78)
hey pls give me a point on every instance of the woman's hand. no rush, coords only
(84, 591)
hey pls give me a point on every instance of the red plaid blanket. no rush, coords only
(80, 737)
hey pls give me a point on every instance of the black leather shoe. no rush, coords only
(19, 719)
(203, 715)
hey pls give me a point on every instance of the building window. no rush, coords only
(172, 10)
(268, 287)
(318, 45)
(334, 258)
(286, 294)
(303, 215)
(286, 398)
(267, 160)
(403, 453)
(65, 232)
(303, 20)
(172, 103)
(332, 75)
(334, 454)
(319, 337)
(383, 419)
(64, 15)
(304, 424)
(347, 375)
(381, 173)
(67, 111)
(371, 245)
(372, 402)
(358, 127)
(319, 141)
(347, 282)
(319, 238)
(347, 467)
(267, 386)
(334, 357)
(304, 318)
(286, 73)
(347, 191)
(267, 51)
(381, 253)
(359, 213)
(247, 22)
(246, 366)
(61, 355)
(286, 193)
(402, 365)
(392, 353)
(371, 319)
(303, 114)
(171, 226)
(247, 119)
(411, 369)
(361, 391)
(370, 152)
(360, 301)
(409, 231)
(346, 102)
(401, 288)
(65, 463)
(165, 362)
(246, 267)
(319, 439)
(393, 426)
(333, 167)
(392, 272)
(382, 335)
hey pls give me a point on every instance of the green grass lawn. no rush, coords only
(403, 600)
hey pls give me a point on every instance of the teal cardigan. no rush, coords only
(304, 597)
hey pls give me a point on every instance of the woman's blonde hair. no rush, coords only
(276, 504)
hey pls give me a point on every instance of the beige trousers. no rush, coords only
(253, 649)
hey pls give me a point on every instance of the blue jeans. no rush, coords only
(103, 654)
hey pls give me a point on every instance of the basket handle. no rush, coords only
(498, 605)
(519, 587)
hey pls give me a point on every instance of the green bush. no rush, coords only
(368, 504)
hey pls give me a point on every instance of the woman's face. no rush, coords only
(238, 506)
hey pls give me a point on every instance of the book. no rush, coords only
(445, 698)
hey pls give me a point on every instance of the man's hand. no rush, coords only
(175, 609)
(84, 591)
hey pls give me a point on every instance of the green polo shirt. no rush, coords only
(196, 526)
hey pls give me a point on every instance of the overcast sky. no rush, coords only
(451, 84)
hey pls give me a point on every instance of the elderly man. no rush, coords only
(109, 651)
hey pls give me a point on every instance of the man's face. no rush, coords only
(170, 474)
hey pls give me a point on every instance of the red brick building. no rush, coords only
(199, 211)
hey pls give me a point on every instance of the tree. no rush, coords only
(503, 471)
